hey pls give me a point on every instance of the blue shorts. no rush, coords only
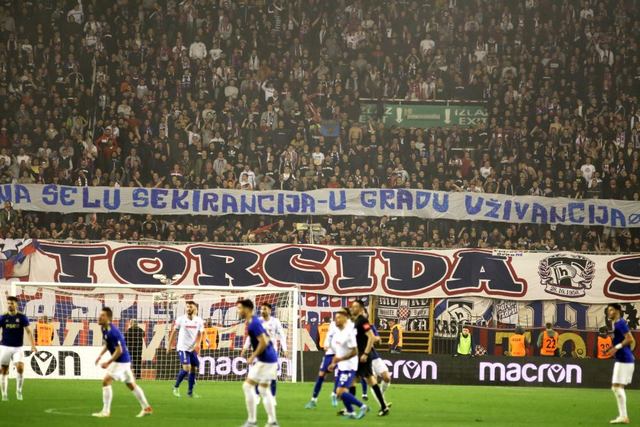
(326, 361)
(189, 358)
(344, 379)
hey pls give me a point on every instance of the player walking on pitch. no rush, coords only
(190, 328)
(14, 324)
(345, 347)
(624, 365)
(263, 371)
(324, 368)
(366, 339)
(276, 333)
(118, 366)
(378, 367)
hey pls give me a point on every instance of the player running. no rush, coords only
(263, 371)
(276, 333)
(366, 339)
(190, 328)
(345, 347)
(118, 366)
(324, 368)
(624, 365)
(14, 324)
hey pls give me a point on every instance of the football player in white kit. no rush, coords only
(324, 368)
(345, 347)
(276, 333)
(190, 328)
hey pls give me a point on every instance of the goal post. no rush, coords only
(145, 314)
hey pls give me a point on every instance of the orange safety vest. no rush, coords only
(391, 343)
(45, 333)
(517, 345)
(209, 338)
(603, 345)
(323, 330)
(549, 344)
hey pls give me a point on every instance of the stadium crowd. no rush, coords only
(240, 94)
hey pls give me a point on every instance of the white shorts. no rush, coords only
(11, 354)
(379, 367)
(622, 373)
(121, 372)
(262, 372)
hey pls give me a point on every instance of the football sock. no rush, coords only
(142, 399)
(19, 382)
(192, 381)
(621, 399)
(250, 400)
(317, 386)
(107, 396)
(350, 401)
(181, 375)
(379, 396)
(269, 404)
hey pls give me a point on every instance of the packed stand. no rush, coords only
(239, 94)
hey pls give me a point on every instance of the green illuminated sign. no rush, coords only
(423, 115)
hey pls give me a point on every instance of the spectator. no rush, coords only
(548, 342)
(197, 50)
(603, 343)
(323, 330)
(395, 336)
(8, 215)
(518, 343)
(464, 342)
(210, 336)
(44, 332)
(564, 122)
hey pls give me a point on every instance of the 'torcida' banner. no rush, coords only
(346, 271)
(361, 202)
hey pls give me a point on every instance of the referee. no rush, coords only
(365, 339)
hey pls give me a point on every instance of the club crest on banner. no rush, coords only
(412, 314)
(566, 275)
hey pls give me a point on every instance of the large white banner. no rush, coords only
(363, 202)
(347, 271)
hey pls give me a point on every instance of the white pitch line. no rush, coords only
(55, 411)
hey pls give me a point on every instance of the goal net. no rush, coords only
(145, 315)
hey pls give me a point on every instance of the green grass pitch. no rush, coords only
(64, 403)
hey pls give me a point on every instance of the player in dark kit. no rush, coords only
(625, 362)
(118, 366)
(366, 338)
(13, 324)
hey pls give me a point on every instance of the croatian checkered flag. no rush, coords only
(480, 350)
